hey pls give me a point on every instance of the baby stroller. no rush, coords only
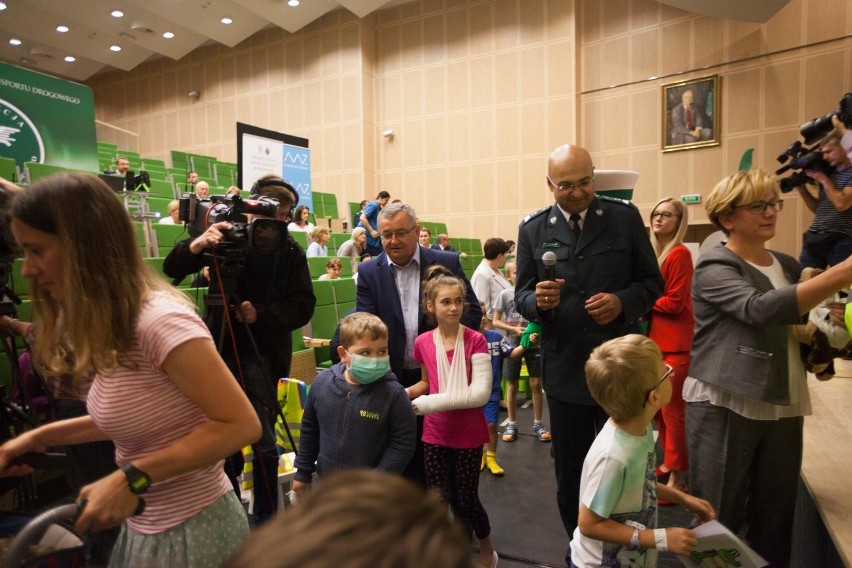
(57, 546)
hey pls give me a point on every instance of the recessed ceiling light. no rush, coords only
(293, 2)
(15, 41)
(226, 20)
(70, 58)
(115, 48)
(117, 13)
(62, 29)
(2, 5)
(168, 35)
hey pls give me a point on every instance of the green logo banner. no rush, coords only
(47, 120)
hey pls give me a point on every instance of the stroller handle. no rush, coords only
(35, 529)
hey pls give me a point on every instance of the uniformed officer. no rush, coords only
(606, 277)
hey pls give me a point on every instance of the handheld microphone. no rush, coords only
(548, 259)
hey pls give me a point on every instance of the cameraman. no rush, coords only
(829, 238)
(276, 297)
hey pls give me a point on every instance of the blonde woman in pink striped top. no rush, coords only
(161, 392)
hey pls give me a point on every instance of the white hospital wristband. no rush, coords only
(634, 540)
(660, 540)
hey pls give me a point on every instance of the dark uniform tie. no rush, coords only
(575, 221)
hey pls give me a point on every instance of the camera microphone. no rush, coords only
(548, 259)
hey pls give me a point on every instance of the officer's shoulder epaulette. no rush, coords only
(535, 214)
(609, 199)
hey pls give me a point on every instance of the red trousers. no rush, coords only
(670, 420)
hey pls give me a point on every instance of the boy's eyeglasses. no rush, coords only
(669, 372)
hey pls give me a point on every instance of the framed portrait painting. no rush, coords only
(691, 117)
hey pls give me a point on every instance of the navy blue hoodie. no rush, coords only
(355, 426)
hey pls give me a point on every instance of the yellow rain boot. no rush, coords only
(491, 462)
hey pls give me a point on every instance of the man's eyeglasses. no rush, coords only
(669, 372)
(761, 206)
(389, 236)
(583, 185)
(662, 214)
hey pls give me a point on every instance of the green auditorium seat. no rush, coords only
(156, 173)
(168, 235)
(36, 171)
(203, 166)
(159, 205)
(316, 264)
(225, 174)
(300, 237)
(8, 169)
(337, 240)
(323, 326)
(345, 293)
(161, 188)
(179, 161)
(323, 292)
(354, 207)
(154, 163)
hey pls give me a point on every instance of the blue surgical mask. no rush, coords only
(367, 370)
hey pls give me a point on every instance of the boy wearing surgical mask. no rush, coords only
(356, 415)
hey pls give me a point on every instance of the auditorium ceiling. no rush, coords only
(79, 38)
(99, 39)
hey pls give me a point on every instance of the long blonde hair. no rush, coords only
(105, 281)
(662, 252)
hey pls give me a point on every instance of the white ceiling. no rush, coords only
(139, 32)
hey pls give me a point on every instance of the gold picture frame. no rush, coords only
(691, 114)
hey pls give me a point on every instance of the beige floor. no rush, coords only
(843, 368)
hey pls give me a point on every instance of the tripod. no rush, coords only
(239, 348)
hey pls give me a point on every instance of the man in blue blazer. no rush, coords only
(384, 291)
(389, 287)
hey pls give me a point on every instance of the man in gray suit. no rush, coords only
(689, 122)
(606, 277)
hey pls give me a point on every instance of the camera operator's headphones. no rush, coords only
(278, 182)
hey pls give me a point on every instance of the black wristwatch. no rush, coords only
(137, 480)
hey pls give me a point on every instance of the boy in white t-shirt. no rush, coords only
(619, 489)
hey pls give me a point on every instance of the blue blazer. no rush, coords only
(377, 294)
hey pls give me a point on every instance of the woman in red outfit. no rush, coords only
(671, 327)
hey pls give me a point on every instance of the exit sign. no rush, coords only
(694, 198)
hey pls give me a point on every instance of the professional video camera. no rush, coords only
(816, 128)
(801, 158)
(263, 234)
(804, 157)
